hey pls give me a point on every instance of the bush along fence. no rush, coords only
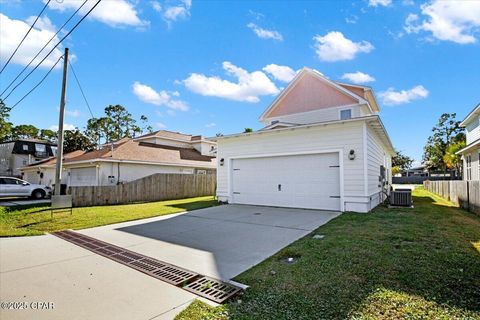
(464, 193)
(157, 187)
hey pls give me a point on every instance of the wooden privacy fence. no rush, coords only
(160, 186)
(464, 193)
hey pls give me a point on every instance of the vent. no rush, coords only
(209, 288)
(401, 198)
(212, 289)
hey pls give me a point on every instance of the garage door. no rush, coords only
(299, 181)
(83, 176)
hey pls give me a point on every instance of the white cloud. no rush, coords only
(43, 23)
(249, 87)
(352, 19)
(211, 125)
(156, 6)
(264, 33)
(456, 21)
(281, 73)
(11, 33)
(358, 77)
(376, 3)
(161, 98)
(66, 126)
(113, 13)
(335, 47)
(180, 11)
(392, 97)
(160, 125)
(71, 113)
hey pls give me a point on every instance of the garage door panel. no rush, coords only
(304, 181)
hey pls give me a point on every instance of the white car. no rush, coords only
(13, 187)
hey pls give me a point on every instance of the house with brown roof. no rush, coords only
(130, 159)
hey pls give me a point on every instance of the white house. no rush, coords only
(323, 147)
(130, 159)
(471, 152)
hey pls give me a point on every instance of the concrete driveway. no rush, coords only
(220, 242)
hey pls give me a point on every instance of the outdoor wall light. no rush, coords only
(222, 161)
(351, 154)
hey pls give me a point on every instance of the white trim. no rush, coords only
(340, 109)
(283, 154)
(470, 115)
(365, 158)
(279, 118)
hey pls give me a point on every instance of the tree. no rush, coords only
(75, 140)
(25, 131)
(446, 132)
(400, 162)
(118, 123)
(452, 160)
(121, 123)
(49, 135)
(248, 130)
(146, 128)
(97, 130)
(5, 125)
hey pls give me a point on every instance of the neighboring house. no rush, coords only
(130, 159)
(471, 152)
(22, 152)
(420, 171)
(323, 147)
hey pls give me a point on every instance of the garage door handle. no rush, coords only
(334, 196)
(279, 187)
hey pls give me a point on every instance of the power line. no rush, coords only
(39, 83)
(74, 27)
(81, 90)
(46, 44)
(26, 34)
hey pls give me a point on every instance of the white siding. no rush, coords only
(344, 136)
(473, 130)
(321, 115)
(475, 166)
(376, 157)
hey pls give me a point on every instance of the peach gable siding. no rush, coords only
(358, 91)
(310, 93)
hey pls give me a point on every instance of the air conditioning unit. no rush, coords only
(401, 198)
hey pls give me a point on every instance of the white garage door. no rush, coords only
(299, 181)
(83, 176)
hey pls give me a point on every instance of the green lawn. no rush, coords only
(35, 220)
(421, 263)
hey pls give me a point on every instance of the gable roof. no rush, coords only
(138, 151)
(342, 88)
(475, 111)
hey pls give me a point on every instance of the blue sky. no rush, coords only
(205, 67)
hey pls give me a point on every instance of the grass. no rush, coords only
(421, 263)
(36, 219)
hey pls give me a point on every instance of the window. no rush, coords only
(345, 114)
(25, 147)
(9, 181)
(468, 161)
(40, 147)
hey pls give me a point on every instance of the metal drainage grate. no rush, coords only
(209, 288)
(212, 289)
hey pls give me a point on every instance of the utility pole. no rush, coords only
(58, 168)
